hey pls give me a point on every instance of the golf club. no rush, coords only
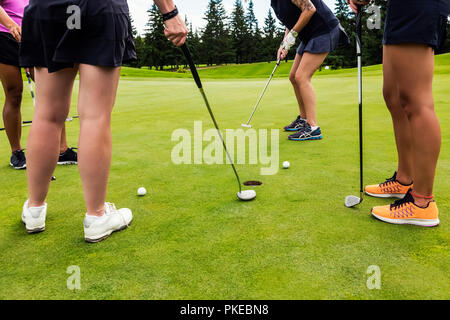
(28, 123)
(27, 71)
(244, 195)
(352, 201)
(247, 125)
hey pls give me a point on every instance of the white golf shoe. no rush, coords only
(34, 218)
(97, 229)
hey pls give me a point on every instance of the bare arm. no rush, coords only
(9, 23)
(355, 3)
(308, 10)
(176, 30)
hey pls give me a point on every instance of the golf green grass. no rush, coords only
(192, 239)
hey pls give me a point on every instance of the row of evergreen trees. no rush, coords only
(238, 38)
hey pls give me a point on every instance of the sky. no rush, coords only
(194, 9)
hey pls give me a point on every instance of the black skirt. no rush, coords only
(56, 34)
(416, 21)
(9, 49)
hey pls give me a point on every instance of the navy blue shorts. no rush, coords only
(103, 39)
(416, 21)
(9, 52)
(325, 43)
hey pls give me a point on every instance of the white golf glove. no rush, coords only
(289, 41)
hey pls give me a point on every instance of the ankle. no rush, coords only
(63, 150)
(421, 200)
(36, 204)
(96, 213)
(405, 180)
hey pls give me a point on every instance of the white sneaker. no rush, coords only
(97, 229)
(34, 218)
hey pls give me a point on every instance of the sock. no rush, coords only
(314, 128)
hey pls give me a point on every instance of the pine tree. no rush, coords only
(239, 32)
(215, 39)
(253, 41)
(156, 43)
(270, 41)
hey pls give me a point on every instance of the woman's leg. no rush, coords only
(413, 67)
(400, 121)
(12, 82)
(296, 86)
(63, 141)
(98, 88)
(53, 95)
(309, 63)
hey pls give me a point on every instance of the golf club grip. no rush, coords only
(187, 54)
(359, 23)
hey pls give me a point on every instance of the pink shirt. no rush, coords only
(14, 9)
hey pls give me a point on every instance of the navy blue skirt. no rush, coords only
(417, 21)
(9, 49)
(326, 42)
(103, 37)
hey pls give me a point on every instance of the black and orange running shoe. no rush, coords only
(391, 188)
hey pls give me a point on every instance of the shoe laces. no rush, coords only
(389, 181)
(403, 202)
(110, 207)
(20, 155)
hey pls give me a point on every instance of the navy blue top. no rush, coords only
(322, 22)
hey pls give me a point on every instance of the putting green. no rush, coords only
(191, 238)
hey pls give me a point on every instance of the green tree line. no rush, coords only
(238, 38)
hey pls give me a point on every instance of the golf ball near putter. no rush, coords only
(142, 191)
(286, 165)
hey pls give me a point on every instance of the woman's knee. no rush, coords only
(414, 104)
(302, 78)
(292, 78)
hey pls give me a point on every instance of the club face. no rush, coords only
(246, 125)
(246, 195)
(352, 201)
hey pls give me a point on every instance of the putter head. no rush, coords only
(352, 201)
(246, 125)
(246, 195)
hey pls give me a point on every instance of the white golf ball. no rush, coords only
(286, 165)
(142, 191)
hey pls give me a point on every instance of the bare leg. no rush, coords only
(296, 86)
(308, 66)
(413, 67)
(400, 120)
(98, 88)
(63, 142)
(53, 95)
(12, 82)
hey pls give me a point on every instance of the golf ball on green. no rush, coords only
(286, 165)
(142, 191)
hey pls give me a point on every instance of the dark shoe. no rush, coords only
(297, 125)
(18, 160)
(68, 157)
(307, 134)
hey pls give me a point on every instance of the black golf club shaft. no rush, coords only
(359, 57)
(187, 54)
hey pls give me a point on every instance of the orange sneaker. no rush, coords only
(405, 211)
(391, 188)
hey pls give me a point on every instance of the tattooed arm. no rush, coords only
(308, 10)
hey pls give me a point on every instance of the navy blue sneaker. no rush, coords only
(18, 160)
(297, 125)
(307, 134)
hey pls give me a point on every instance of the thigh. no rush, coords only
(11, 78)
(54, 93)
(412, 67)
(296, 64)
(98, 89)
(310, 63)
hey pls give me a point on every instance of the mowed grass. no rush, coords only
(191, 238)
